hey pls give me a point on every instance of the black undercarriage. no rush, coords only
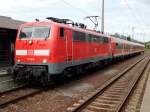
(38, 74)
(31, 74)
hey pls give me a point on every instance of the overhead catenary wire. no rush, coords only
(79, 9)
(85, 12)
(138, 18)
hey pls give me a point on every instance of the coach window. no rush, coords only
(76, 36)
(117, 45)
(97, 39)
(62, 34)
(106, 40)
(126, 46)
(101, 39)
(82, 37)
(93, 38)
(89, 38)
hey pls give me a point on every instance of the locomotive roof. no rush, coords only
(62, 25)
(9, 23)
(114, 39)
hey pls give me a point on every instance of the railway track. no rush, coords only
(20, 93)
(111, 96)
(9, 84)
(16, 92)
(13, 96)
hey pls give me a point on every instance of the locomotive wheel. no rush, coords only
(80, 70)
(46, 80)
(68, 73)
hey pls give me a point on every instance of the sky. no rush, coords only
(121, 16)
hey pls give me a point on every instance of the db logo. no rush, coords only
(30, 52)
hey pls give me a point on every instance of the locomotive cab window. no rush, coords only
(25, 33)
(62, 33)
(35, 32)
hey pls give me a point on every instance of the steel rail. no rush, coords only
(77, 107)
(32, 92)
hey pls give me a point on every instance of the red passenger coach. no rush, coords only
(121, 48)
(46, 49)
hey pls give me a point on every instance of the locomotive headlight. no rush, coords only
(18, 60)
(30, 42)
(44, 60)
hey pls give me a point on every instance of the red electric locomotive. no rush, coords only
(46, 49)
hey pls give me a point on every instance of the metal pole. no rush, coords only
(133, 32)
(102, 22)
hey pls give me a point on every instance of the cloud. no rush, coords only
(144, 1)
(118, 17)
(124, 2)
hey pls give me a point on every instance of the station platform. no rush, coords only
(145, 107)
(5, 70)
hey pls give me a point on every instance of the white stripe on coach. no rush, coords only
(21, 52)
(41, 52)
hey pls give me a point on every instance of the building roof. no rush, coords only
(9, 23)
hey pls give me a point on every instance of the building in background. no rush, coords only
(8, 32)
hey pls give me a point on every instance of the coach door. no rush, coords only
(69, 45)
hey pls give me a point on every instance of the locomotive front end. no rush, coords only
(32, 51)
